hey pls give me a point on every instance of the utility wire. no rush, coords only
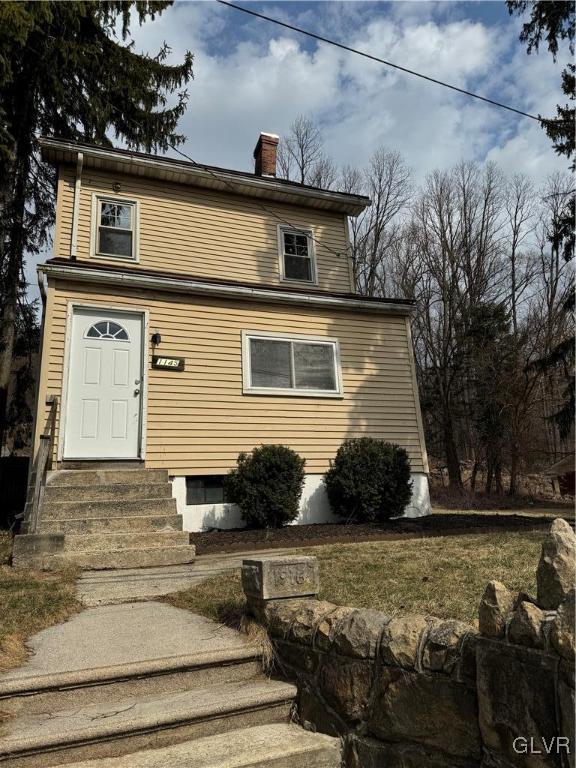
(380, 61)
(250, 201)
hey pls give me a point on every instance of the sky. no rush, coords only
(252, 76)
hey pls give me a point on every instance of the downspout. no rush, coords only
(76, 207)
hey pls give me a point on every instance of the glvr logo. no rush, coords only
(555, 745)
(171, 363)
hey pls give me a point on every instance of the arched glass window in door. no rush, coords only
(106, 329)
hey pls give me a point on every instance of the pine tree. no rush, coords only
(555, 21)
(68, 69)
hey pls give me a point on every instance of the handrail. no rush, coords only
(42, 463)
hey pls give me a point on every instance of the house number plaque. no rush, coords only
(168, 363)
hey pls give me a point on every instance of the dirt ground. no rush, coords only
(441, 523)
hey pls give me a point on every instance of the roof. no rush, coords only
(136, 277)
(561, 467)
(62, 151)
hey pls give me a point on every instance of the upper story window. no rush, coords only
(115, 233)
(291, 365)
(297, 260)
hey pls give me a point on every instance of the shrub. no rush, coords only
(267, 485)
(369, 480)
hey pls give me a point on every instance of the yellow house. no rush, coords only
(194, 312)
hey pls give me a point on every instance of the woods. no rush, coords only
(69, 70)
(483, 255)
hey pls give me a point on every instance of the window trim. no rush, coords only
(97, 200)
(248, 389)
(308, 231)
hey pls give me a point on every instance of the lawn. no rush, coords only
(443, 577)
(30, 601)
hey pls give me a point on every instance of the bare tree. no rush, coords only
(387, 181)
(520, 211)
(301, 151)
(324, 173)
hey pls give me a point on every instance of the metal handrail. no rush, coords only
(42, 463)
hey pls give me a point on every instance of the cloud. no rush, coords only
(251, 75)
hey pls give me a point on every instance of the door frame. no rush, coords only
(144, 312)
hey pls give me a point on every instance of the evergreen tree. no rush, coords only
(554, 21)
(68, 69)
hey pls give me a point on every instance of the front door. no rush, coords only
(104, 385)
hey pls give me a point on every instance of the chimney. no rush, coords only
(265, 155)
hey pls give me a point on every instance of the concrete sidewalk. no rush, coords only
(113, 636)
(131, 584)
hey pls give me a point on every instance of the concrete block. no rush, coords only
(280, 577)
(36, 550)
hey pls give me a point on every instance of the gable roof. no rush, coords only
(62, 151)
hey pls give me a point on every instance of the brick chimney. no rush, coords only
(265, 155)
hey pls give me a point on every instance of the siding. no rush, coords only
(199, 420)
(206, 233)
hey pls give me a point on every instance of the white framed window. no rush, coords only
(115, 229)
(297, 259)
(304, 366)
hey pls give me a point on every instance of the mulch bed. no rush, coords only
(446, 524)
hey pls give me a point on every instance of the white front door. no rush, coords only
(104, 385)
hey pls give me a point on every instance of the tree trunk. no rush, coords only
(513, 489)
(498, 477)
(452, 460)
(474, 476)
(489, 476)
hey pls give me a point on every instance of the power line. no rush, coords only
(254, 203)
(380, 61)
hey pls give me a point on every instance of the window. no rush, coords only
(107, 330)
(116, 228)
(294, 365)
(205, 490)
(297, 255)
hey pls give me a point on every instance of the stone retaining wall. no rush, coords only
(420, 692)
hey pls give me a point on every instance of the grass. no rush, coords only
(30, 601)
(443, 577)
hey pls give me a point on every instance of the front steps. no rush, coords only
(279, 745)
(106, 518)
(118, 716)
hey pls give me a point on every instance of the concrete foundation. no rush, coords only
(314, 506)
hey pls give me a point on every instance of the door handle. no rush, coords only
(136, 391)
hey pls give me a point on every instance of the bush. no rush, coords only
(369, 480)
(267, 485)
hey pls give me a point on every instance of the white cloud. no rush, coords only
(252, 76)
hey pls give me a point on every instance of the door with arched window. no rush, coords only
(104, 392)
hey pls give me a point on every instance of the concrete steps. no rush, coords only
(106, 518)
(85, 477)
(140, 523)
(107, 492)
(75, 510)
(106, 542)
(131, 558)
(279, 745)
(38, 694)
(127, 725)
(110, 587)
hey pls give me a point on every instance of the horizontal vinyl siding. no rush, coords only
(199, 420)
(206, 233)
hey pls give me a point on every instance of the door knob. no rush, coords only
(136, 391)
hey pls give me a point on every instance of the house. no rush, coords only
(561, 475)
(194, 312)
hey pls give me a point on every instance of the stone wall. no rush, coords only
(420, 692)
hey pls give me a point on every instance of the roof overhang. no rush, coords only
(149, 281)
(59, 151)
